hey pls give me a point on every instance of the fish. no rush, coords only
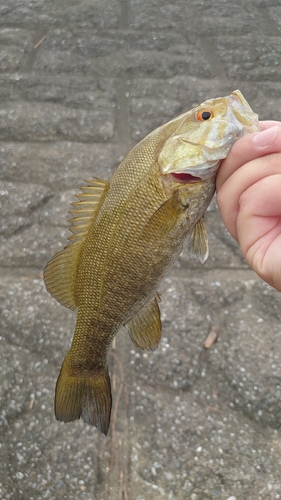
(126, 234)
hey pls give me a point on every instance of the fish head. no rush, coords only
(203, 137)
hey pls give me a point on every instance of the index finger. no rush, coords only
(250, 147)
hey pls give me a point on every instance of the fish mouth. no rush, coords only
(243, 113)
(198, 173)
(186, 178)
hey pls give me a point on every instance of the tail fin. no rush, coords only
(87, 396)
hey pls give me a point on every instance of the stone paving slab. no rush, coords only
(103, 14)
(59, 165)
(80, 84)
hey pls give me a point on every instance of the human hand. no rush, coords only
(249, 199)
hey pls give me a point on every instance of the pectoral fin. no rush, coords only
(197, 243)
(145, 328)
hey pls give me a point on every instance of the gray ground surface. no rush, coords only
(186, 424)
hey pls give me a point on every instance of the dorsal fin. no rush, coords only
(60, 272)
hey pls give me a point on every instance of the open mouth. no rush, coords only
(186, 177)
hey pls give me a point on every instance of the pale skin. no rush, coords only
(249, 199)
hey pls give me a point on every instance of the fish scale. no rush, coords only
(127, 233)
(124, 226)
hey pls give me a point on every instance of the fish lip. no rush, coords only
(243, 112)
(200, 175)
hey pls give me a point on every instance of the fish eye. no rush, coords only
(204, 115)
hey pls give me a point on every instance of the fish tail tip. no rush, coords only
(87, 397)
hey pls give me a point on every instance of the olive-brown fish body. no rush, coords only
(127, 233)
(138, 233)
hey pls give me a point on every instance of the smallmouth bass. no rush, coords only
(126, 234)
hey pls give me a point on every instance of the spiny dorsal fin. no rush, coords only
(60, 272)
(145, 328)
(197, 243)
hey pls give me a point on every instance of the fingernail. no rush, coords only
(266, 137)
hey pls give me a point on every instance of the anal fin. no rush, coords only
(145, 328)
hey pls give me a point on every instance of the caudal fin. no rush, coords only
(87, 396)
